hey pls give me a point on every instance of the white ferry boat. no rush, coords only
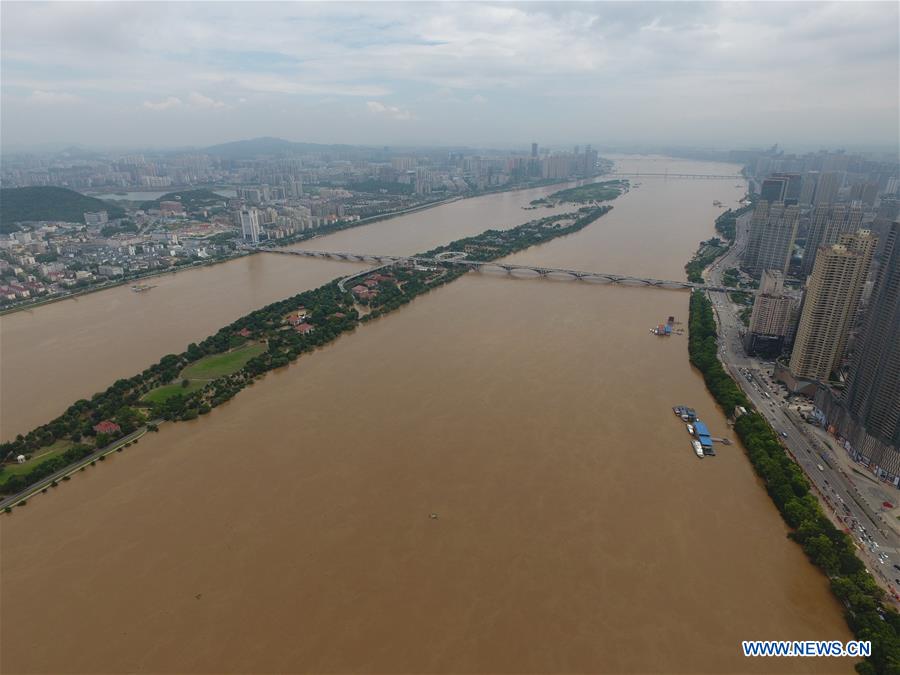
(698, 448)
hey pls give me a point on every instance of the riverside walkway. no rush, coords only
(511, 268)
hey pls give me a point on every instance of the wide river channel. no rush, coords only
(291, 529)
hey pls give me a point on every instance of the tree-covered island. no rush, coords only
(208, 373)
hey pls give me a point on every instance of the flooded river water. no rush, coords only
(55, 354)
(574, 530)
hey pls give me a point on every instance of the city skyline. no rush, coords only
(182, 74)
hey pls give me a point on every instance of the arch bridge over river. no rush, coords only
(666, 174)
(458, 258)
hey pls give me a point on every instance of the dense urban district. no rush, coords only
(56, 241)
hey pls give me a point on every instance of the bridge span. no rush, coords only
(511, 268)
(696, 176)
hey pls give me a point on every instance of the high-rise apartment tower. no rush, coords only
(773, 229)
(827, 224)
(832, 299)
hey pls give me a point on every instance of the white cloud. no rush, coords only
(307, 85)
(574, 71)
(393, 112)
(166, 104)
(198, 100)
(52, 97)
(194, 101)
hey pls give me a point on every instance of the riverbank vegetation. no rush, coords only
(726, 223)
(731, 277)
(17, 478)
(826, 546)
(187, 385)
(708, 251)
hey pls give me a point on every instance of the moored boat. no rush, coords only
(698, 449)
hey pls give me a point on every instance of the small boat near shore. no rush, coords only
(140, 288)
(698, 449)
(690, 428)
(685, 413)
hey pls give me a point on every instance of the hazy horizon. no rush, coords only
(713, 75)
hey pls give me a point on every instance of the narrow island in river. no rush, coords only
(187, 385)
(589, 193)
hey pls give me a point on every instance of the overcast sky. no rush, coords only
(718, 74)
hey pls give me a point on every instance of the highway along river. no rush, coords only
(489, 480)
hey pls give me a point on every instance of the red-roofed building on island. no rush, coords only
(107, 427)
(298, 317)
(304, 328)
(363, 293)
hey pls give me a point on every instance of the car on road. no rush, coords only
(783, 434)
(820, 467)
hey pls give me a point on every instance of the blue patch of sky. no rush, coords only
(52, 71)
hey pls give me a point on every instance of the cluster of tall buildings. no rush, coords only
(826, 224)
(814, 188)
(841, 343)
(867, 411)
(773, 230)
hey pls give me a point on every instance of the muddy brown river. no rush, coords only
(574, 530)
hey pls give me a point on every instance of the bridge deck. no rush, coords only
(697, 176)
(388, 260)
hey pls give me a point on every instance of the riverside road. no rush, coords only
(842, 498)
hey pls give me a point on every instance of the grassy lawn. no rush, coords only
(41, 455)
(211, 367)
(160, 394)
(206, 369)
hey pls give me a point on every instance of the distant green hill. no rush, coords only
(191, 199)
(48, 203)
